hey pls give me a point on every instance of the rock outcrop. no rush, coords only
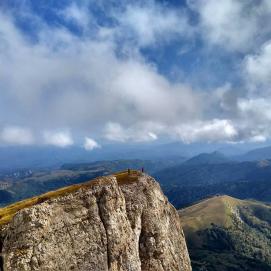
(109, 225)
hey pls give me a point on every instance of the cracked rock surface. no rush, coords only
(128, 227)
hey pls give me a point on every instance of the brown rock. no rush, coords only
(107, 226)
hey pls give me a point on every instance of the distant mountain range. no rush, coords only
(207, 158)
(41, 157)
(225, 233)
(16, 185)
(256, 154)
(183, 180)
(211, 174)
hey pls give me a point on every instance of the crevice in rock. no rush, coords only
(141, 245)
(1, 255)
(69, 233)
(105, 229)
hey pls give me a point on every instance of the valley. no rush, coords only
(204, 176)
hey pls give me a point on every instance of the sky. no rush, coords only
(89, 72)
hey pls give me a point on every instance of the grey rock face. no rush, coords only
(103, 227)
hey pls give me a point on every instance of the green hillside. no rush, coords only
(225, 233)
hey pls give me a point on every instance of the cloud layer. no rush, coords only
(17, 135)
(101, 75)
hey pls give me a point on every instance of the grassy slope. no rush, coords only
(7, 213)
(224, 233)
(213, 209)
(217, 210)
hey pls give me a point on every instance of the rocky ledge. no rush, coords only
(110, 225)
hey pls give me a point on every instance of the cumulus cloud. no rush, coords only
(90, 144)
(58, 139)
(152, 135)
(151, 23)
(78, 15)
(233, 24)
(100, 81)
(255, 114)
(82, 81)
(217, 130)
(257, 68)
(14, 135)
(74, 12)
(138, 133)
(258, 138)
(257, 109)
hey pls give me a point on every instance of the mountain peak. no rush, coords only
(117, 222)
(215, 157)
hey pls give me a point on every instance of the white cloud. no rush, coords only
(90, 144)
(92, 84)
(257, 68)
(145, 92)
(216, 130)
(77, 14)
(151, 23)
(255, 110)
(82, 81)
(211, 131)
(17, 136)
(59, 139)
(152, 135)
(115, 132)
(233, 24)
(258, 138)
(254, 116)
(137, 133)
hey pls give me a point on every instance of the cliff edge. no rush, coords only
(113, 223)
